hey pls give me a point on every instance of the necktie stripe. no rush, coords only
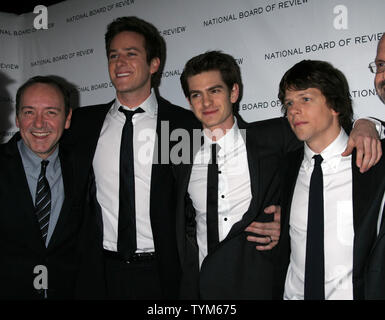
(43, 206)
(45, 197)
(40, 188)
(46, 215)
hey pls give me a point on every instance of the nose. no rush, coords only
(206, 100)
(39, 121)
(121, 60)
(293, 109)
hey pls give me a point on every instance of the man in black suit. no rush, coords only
(40, 216)
(217, 260)
(328, 221)
(150, 269)
(375, 272)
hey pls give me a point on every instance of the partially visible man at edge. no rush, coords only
(41, 202)
(375, 271)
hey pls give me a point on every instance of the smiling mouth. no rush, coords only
(40, 134)
(119, 75)
(207, 113)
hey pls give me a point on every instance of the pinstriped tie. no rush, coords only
(43, 201)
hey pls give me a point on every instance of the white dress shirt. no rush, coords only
(234, 192)
(106, 167)
(338, 223)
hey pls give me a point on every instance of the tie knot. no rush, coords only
(129, 114)
(317, 159)
(44, 164)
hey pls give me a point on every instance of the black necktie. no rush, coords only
(43, 201)
(315, 264)
(127, 219)
(212, 200)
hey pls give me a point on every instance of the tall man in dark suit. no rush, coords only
(40, 216)
(146, 265)
(243, 161)
(375, 272)
(328, 221)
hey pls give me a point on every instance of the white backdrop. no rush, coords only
(265, 36)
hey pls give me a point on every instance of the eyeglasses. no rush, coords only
(377, 66)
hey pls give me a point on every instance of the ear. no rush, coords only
(334, 112)
(234, 94)
(154, 65)
(68, 120)
(17, 122)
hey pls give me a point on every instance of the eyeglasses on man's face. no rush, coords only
(377, 66)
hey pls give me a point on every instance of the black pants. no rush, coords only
(137, 280)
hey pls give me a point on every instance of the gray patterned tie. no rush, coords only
(43, 201)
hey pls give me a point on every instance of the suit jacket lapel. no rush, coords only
(26, 208)
(380, 195)
(253, 163)
(184, 174)
(378, 183)
(359, 194)
(159, 156)
(365, 215)
(293, 164)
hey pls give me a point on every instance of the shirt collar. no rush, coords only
(331, 154)
(33, 161)
(150, 106)
(228, 142)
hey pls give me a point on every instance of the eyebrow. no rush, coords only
(208, 89)
(216, 86)
(31, 107)
(125, 49)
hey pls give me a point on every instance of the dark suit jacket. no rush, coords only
(375, 266)
(86, 125)
(21, 244)
(365, 213)
(235, 269)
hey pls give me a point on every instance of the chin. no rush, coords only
(301, 137)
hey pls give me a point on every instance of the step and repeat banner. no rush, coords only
(266, 37)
